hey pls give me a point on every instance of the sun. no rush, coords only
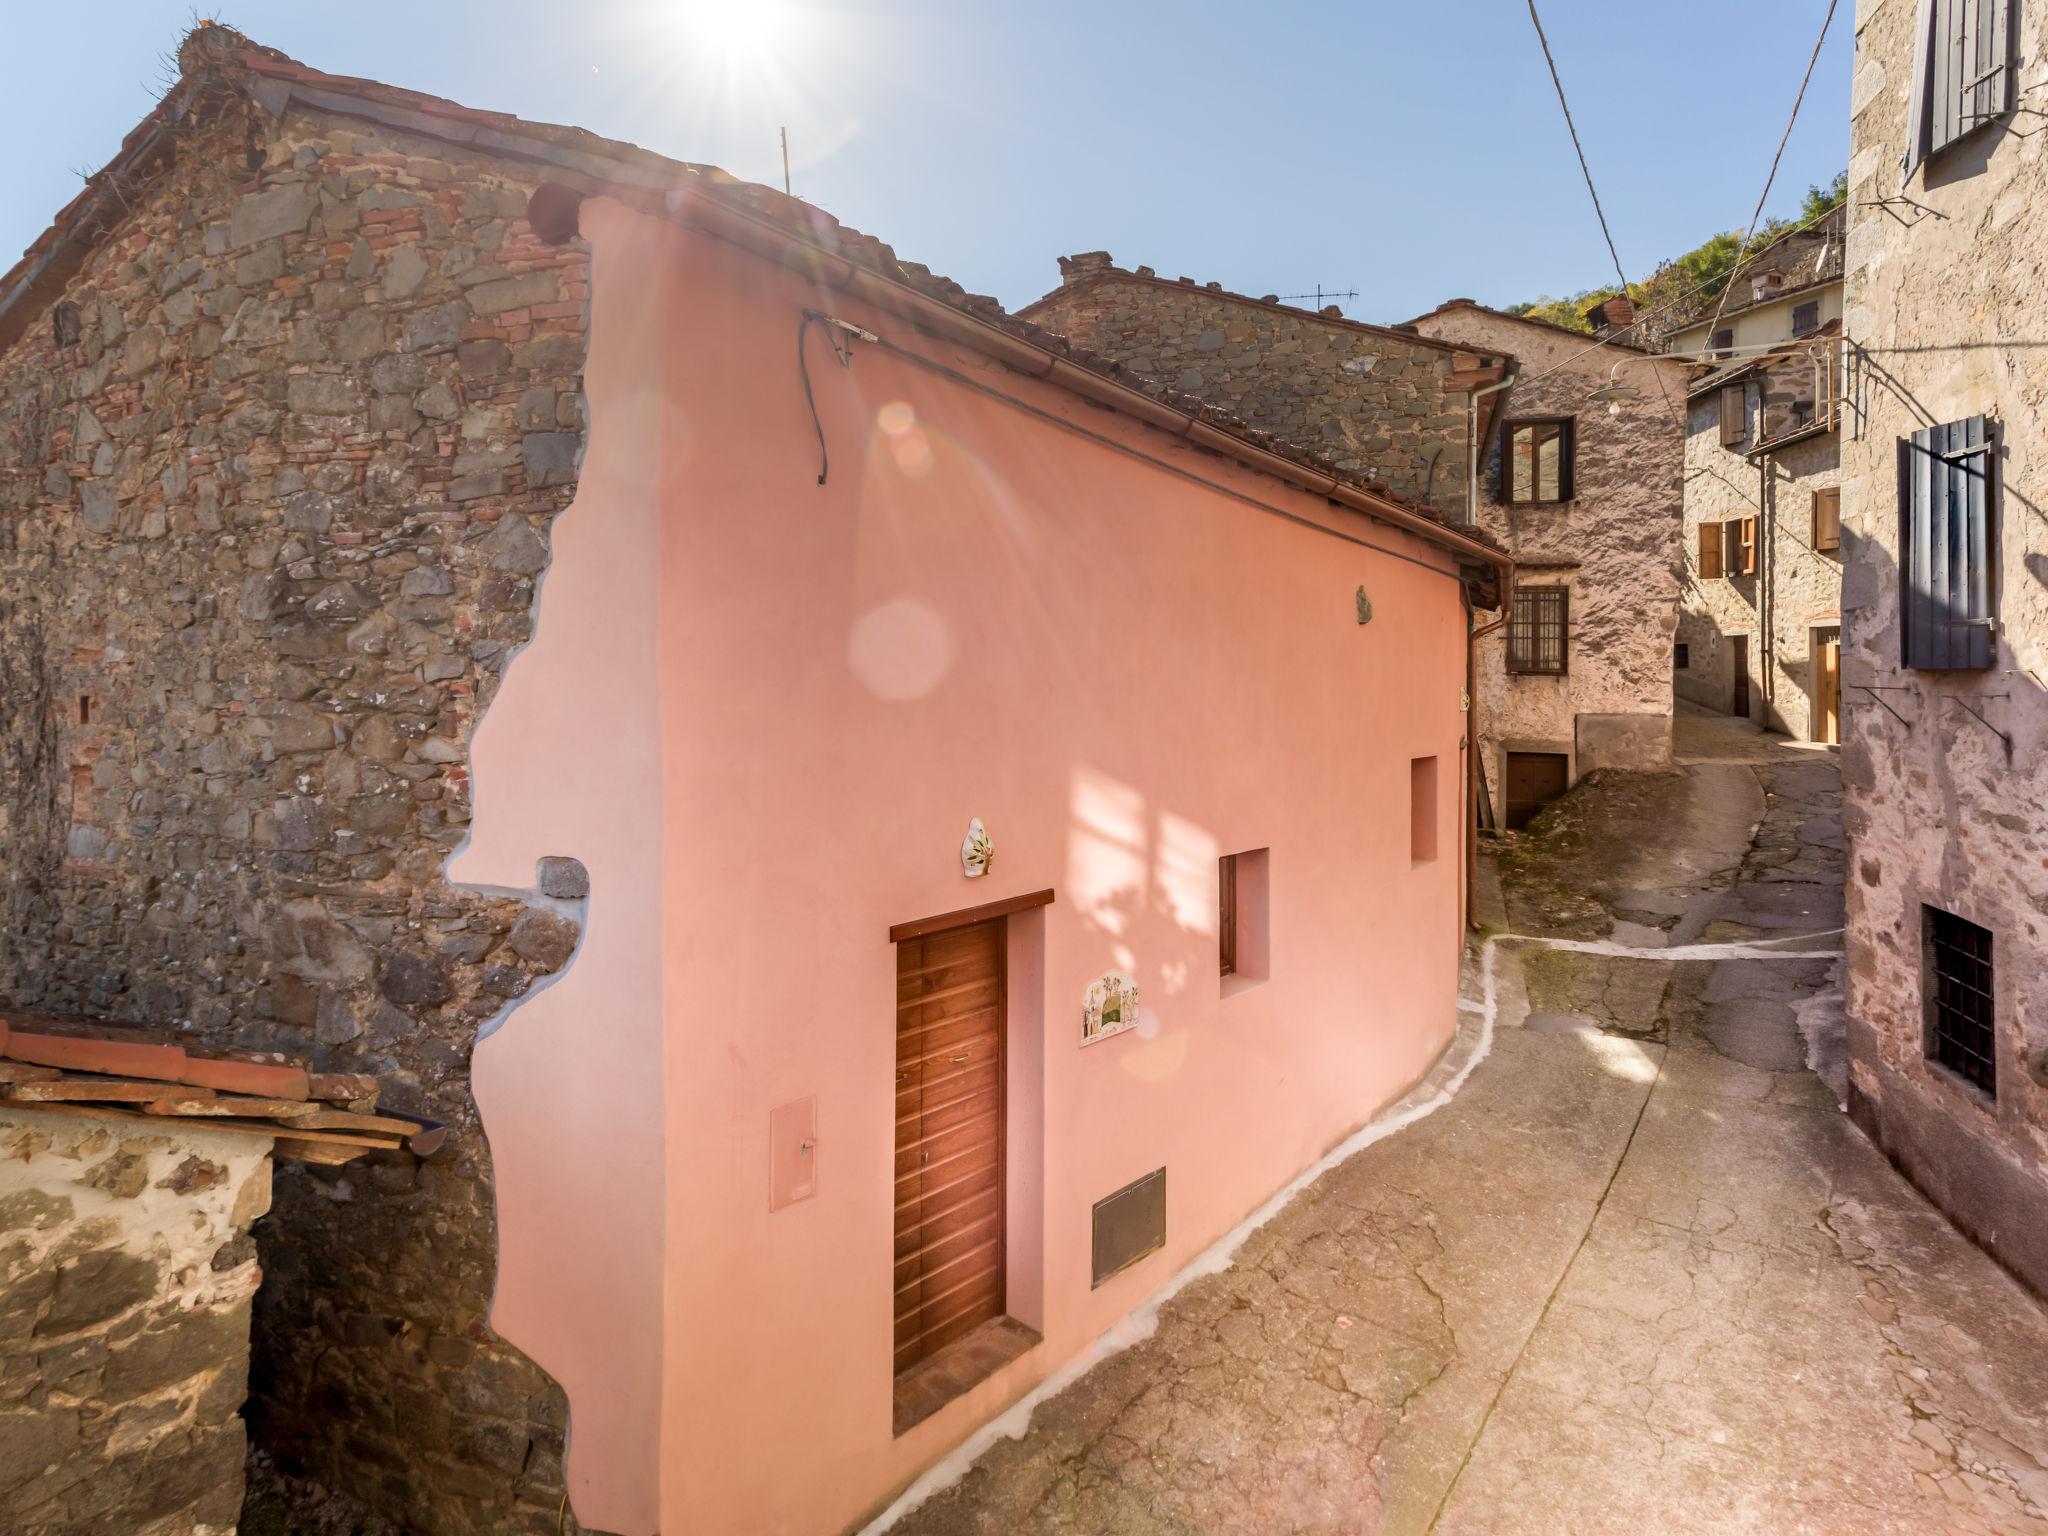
(730, 31)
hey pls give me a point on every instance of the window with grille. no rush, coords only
(1962, 73)
(1681, 657)
(1537, 631)
(1948, 545)
(1536, 461)
(1806, 318)
(1957, 980)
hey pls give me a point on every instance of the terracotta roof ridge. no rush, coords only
(1450, 305)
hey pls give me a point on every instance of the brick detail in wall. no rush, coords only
(277, 514)
(1373, 402)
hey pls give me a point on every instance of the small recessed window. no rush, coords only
(1538, 630)
(65, 320)
(1422, 810)
(1681, 657)
(1243, 896)
(1957, 980)
(1536, 461)
(1806, 318)
(1722, 342)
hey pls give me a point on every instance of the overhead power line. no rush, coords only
(1783, 139)
(1572, 128)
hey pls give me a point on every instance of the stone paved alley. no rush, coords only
(1639, 1275)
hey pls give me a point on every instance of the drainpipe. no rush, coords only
(1471, 765)
(1472, 442)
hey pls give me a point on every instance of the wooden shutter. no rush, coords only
(1827, 517)
(1746, 532)
(1710, 551)
(1948, 511)
(1226, 914)
(1564, 457)
(1733, 411)
(1962, 72)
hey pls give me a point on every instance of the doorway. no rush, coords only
(1827, 685)
(1738, 658)
(1534, 779)
(951, 997)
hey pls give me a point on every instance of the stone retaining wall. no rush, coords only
(126, 1272)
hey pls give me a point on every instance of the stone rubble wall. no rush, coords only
(126, 1274)
(1936, 811)
(1374, 402)
(269, 532)
(1614, 548)
(1796, 588)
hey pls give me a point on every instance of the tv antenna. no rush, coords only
(1321, 296)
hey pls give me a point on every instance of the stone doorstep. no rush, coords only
(965, 1363)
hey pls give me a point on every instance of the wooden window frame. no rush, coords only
(1827, 518)
(1745, 545)
(1567, 434)
(1722, 342)
(1226, 915)
(1523, 646)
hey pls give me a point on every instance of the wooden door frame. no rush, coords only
(1738, 677)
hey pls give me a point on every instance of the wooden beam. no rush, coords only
(923, 927)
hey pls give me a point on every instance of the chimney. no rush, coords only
(1766, 283)
(1079, 268)
(1611, 316)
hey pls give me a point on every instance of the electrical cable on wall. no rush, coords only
(842, 349)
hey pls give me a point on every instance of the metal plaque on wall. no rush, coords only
(1129, 1224)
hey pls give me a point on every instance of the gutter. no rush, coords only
(1472, 440)
(553, 216)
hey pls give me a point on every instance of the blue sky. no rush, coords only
(1411, 151)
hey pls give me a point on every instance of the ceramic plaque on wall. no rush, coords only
(1111, 1008)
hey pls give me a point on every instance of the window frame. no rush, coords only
(1801, 332)
(1567, 449)
(1226, 915)
(1681, 656)
(1531, 664)
(1713, 542)
(1722, 342)
(1992, 92)
(1960, 1012)
(1932, 461)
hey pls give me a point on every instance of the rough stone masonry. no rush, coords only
(126, 1272)
(277, 467)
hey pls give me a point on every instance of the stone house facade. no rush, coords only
(1382, 403)
(1577, 676)
(1790, 287)
(126, 1276)
(1760, 631)
(288, 399)
(1945, 759)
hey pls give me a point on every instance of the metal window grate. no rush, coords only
(1537, 631)
(1959, 1005)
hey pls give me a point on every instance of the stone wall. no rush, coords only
(1944, 301)
(1375, 401)
(126, 1272)
(1613, 547)
(269, 531)
(1795, 589)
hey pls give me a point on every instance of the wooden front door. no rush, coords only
(949, 1136)
(1534, 779)
(1738, 658)
(1827, 685)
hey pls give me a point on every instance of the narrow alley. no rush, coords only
(1637, 1273)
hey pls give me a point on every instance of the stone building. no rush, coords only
(1387, 404)
(288, 399)
(1760, 633)
(1945, 602)
(294, 406)
(1580, 479)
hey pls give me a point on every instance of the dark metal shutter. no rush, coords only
(1565, 434)
(1946, 546)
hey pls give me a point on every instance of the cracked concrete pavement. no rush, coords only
(1640, 1274)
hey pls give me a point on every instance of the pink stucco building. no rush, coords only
(806, 622)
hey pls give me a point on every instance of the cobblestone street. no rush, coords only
(1638, 1274)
